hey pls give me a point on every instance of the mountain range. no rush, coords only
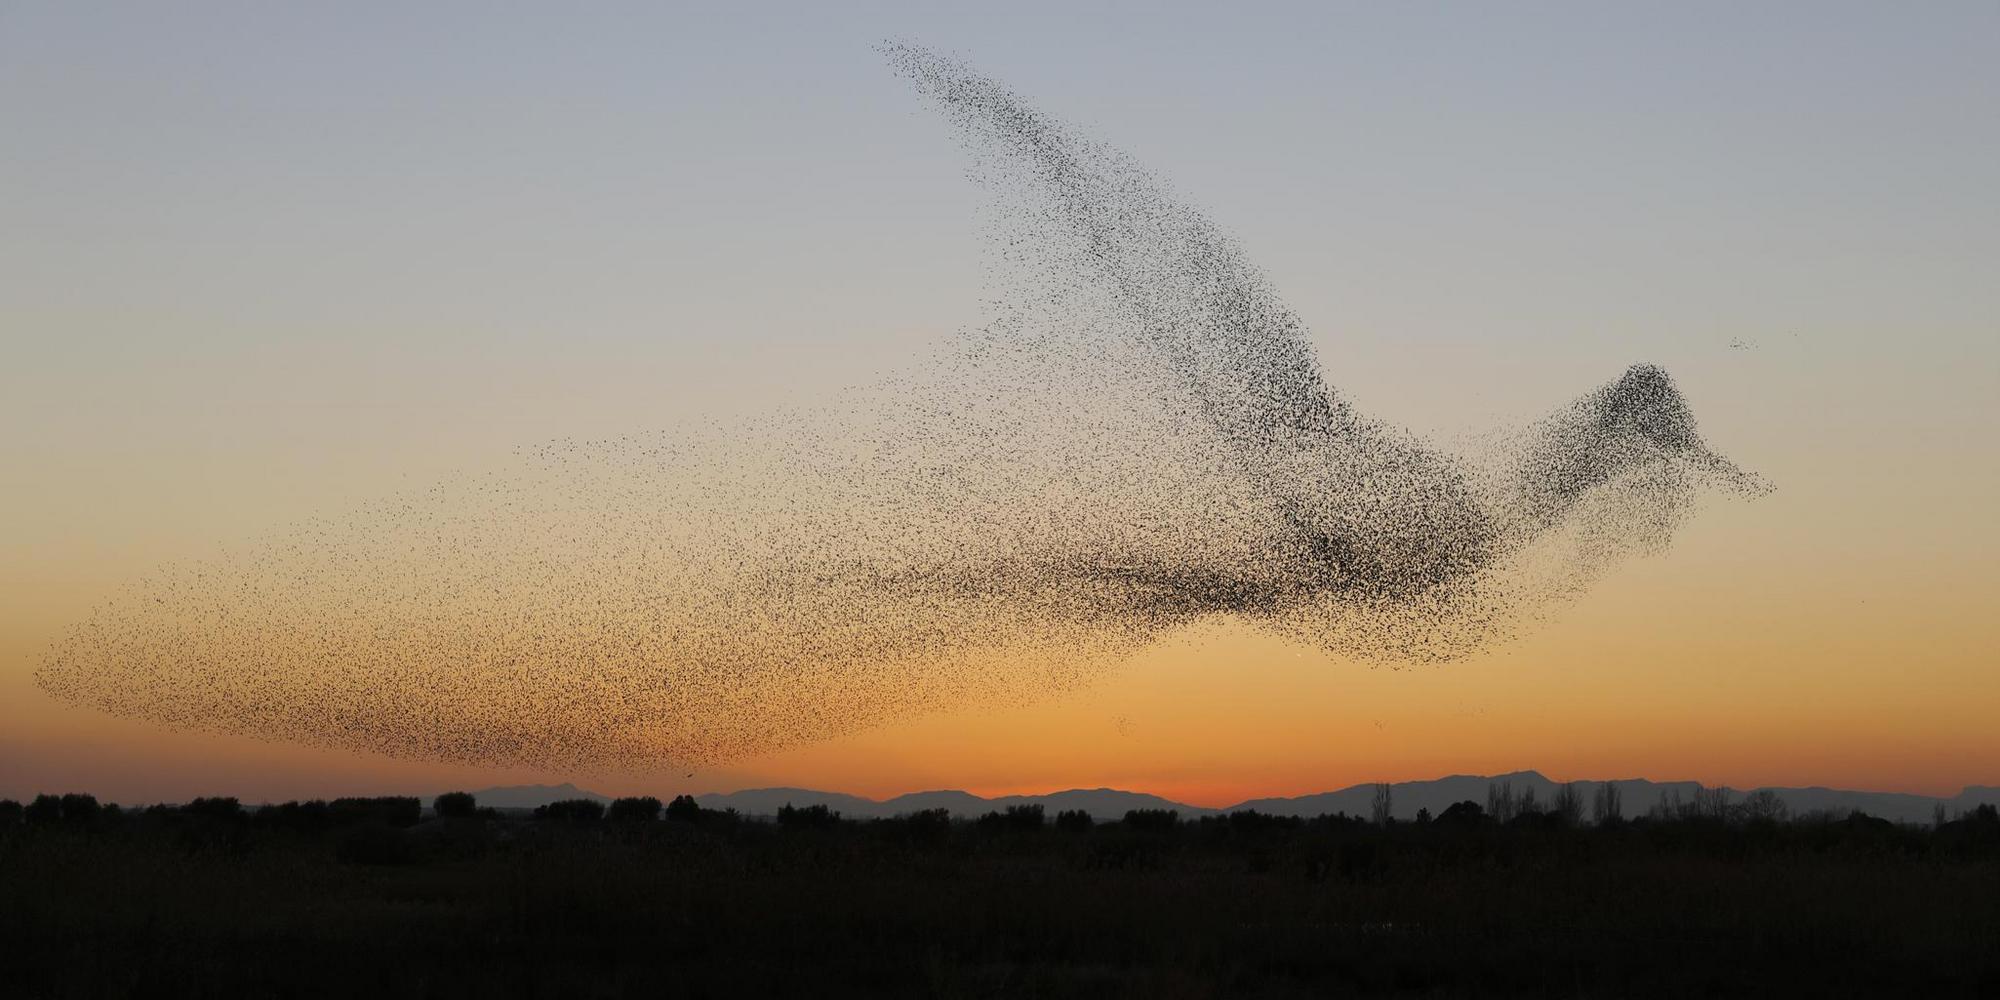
(1638, 794)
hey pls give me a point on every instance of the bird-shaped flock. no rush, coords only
(1140, 440)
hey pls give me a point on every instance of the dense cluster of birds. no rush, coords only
(1140, 439)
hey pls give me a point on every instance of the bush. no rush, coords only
(642, 809)
(455, 805)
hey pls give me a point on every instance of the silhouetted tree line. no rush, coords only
(1477, 893)
(392, 829)
(1014, 818)
(1560, 894)
(816, 817)
(79, 810)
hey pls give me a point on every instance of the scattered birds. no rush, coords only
(1139, 440)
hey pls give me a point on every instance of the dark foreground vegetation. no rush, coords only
(382, 897)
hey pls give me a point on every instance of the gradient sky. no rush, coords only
(259, 262)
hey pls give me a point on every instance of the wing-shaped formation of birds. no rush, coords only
(1140, 440)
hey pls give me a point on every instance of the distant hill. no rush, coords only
(530, 796)
(766, 802)
(1101, 803)
(1639, 795)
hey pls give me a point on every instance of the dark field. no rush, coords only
(364, 898)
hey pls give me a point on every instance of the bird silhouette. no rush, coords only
(1140, 439)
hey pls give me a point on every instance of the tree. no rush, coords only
(215, 809)
(1711, 803)
(572, 811)
(1019, 817)
(684, 809)
(1763, 805)
(1569, 804)
(1607, 804)
(80, 808)
(814, 817)
(640, 809)
(1152, 819)
(925, 826)
(1462, 814)
(455, 805)
(45, 810)
(1500, 801)
(1074, 821)
(1383, 809)
(1669, 806)
(296, 817)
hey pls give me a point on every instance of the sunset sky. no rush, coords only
(261, 264)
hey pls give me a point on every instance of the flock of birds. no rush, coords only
(1141, 440)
